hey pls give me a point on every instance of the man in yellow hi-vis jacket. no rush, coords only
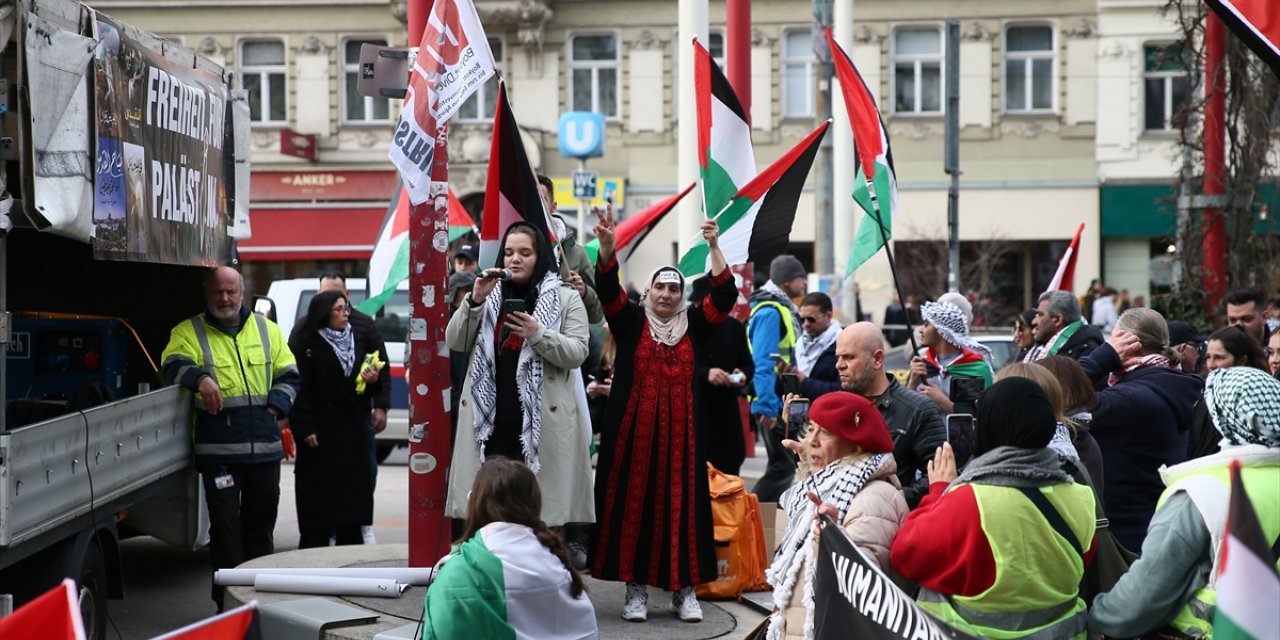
(245, 380)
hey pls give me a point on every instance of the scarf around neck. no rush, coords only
(837, 484)
(344, 346)
(809, 349)
(530, 374)
(1153, 360)
(1014, 467)
(1055, 344)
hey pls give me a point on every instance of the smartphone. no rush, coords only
(790, 383)
(512, 304)
(960, 435)
(777, 358)
(797, 418)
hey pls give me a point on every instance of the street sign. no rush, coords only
(581, 134)
(584, 184)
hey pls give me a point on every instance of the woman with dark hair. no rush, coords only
(330, 420)
(1024, 335)
(509, 576)
(520, 399)
(1018, 529)
(652, 493)
(1232, 346)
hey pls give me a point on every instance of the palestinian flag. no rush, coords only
(389, 265)
(725, 159)
(503, 584)
(511, 194)
(873, 161)
(632, 231)
(1248, 585)
(1256, 23)
(970, 364)
(54, 615)
(460, 222)
(756, 225)
(1064, 278)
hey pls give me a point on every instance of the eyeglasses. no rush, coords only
(343, 309)
(809, 319)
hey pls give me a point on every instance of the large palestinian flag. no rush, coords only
(756, 224)
(511, 195)
(1248, 585)
(1256, 23)
(725, 159)
(632, 231)
(872, 160)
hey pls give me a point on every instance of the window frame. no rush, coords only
(265, 71)
(917, 59)
(676, 44)
(353, 67)
(1027, 58)
(1168, 77)
(487, 105)
(809, 67)
(595, 65)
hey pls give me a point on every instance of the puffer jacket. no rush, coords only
(871, 523)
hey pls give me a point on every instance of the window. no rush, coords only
(1028, 68)
(358, 108)
(480, 106)
(263, 71)
(593, 74)
(1168, 84)
(917, 70)
(797, 74)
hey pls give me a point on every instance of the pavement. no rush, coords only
(721, 618)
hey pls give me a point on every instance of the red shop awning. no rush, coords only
(313, 233)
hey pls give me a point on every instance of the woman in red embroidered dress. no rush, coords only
(653, 506)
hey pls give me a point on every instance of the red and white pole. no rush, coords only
(428, 362)
(1214, 244)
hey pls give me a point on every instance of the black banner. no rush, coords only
(854, 599)
(160, 191)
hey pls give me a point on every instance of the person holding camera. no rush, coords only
(949, 354)
(652, 493)
(725, 371)
(526, 332)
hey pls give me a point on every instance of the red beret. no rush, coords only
(852, 417)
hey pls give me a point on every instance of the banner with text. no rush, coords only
(454, 60)
(160, 191)
(853, 598)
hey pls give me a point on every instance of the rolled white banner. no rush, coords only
(329, 586)
(402, 575)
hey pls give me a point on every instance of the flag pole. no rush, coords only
(893, 266)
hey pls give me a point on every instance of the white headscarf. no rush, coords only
(668, 330)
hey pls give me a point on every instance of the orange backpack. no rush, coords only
(740, 554)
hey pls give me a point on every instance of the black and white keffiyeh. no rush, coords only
(529, 369)
(344, 346)
(1244, 404)
(837, 484)
(951, 324)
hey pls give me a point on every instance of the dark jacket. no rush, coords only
(723, 440)
(1141, 423)
(823, 378)
(917, 428)
(1082, 342)
(366, 332)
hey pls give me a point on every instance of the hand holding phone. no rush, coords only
(960, 434)
(797, 418)
(790, 383)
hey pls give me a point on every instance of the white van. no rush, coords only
(292, 298)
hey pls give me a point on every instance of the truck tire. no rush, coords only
(384, 450)
(91, 585)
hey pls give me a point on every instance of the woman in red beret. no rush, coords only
(852, 480)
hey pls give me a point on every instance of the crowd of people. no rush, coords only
(586, 416)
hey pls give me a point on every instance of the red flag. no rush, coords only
(511, 194)
(1064, 278)
(236, 624)
(1256, 23)
(632, 231)
(55, 615)
(460, 222)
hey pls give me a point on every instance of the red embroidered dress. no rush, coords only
(653, 506)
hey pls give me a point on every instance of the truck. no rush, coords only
(126, 178)
(291, 297)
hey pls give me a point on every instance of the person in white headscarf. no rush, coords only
(1171, 589)
(652, 499)
(949, 353)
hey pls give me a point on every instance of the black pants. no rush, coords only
(320, 537)
(781, 469)
(242, 517)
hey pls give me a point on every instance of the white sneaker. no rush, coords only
(685, 604)
(637, 607)
(366, 532)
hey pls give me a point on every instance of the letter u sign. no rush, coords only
(582, 134)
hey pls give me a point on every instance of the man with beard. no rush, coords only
(815, 361)
(1060, 330)
(914, 422)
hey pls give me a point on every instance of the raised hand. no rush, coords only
(711, 233)
(604, 231)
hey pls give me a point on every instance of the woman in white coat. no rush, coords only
(521, 399)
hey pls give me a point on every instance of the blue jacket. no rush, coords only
(764, 330)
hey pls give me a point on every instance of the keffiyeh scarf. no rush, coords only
(809, 349)
(837, 484)
(950, 322)
(344, 346)
(529, 370)
(1153, 360)
(1244, 404)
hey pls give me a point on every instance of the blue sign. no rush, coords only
(582, 134)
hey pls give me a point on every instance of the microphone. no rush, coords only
(496, 274)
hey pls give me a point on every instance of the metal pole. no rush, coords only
(5, 319)
(428, 364)
(737, 47)
(1214, 245)
(692, 21)
(843, 210)
(584, 205)
(824, 221)
(951, 156)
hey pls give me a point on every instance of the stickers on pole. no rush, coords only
(417, 432)
(422, 463)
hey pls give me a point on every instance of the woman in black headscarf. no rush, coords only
(334, 472)
(1017, 529)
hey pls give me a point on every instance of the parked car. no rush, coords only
(291, 299)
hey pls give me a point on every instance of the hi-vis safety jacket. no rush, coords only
(254, 369)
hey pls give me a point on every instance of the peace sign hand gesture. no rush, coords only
(604, 231)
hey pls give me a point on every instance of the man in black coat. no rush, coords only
(815, 365)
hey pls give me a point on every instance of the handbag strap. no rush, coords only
(1055, 519)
